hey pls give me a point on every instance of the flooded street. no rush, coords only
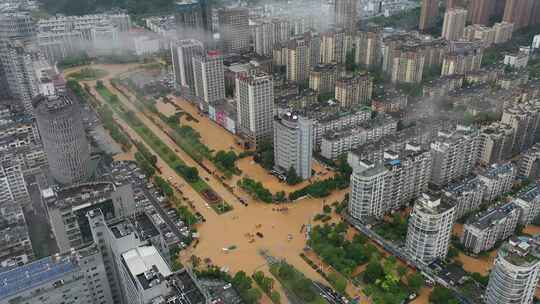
(279, 231)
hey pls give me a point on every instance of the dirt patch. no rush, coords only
(130, 155)
(166, 109)
(481, 265)
(532, 230)
(423, 297)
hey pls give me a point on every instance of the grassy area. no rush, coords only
(87, 74)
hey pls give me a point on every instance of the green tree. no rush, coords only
(452, 253)
(292, 177)
(401, 271)
(241, 281)
(280, 196)
(275, 297)
(442, 295)
(416, 282)
(338, 282)
(373, 272)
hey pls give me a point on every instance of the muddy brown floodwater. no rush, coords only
(214, 136)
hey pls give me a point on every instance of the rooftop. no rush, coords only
(87, 193)
(496, 169)
(431, 204)
(39, 272)
(521, 251)
(491, 216)
(140, 224)
(146, 265)
(52, 103)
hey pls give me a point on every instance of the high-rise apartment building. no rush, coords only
(182, 53)
(461, 63)
(75, 277)
(528, 201)
(146, 278)
(20, 25)
(18, 58)
(120, 235)
(519, 12)
(367, 190)
(454, 24)
(59, 37)
(430, 229)
(516, 272)
(353, 90)
(67, 208)
(455, 154)
(480, 11)
(465, 195)
(263, 38)
(268, 33)
(62, 131)
(481, 32)
(346, 14)
(13, 179)
(524, 119)
(496, 143)
(15, 245)
(193, 19)
(209, 78)
(336, 142)
(302, 54)
(234, 29)
(293, 144)
(428, 14)
(323, 77)
(529, 163)
(408, 175)
(407, 65)
(367, 48)
(333, 46)
(497, 180)
(255, 107)
(482, 231)
(401, 177)
(503, 32)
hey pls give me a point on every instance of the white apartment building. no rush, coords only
(529, 202)
(497, 180)
(367, 190)
(209, 78)
(514, 277)
(293, 144)
(484, 230)
(255, 107)
(455, 154)
(430, 229)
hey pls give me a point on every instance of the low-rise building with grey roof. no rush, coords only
(529, 201)
(484, 230)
